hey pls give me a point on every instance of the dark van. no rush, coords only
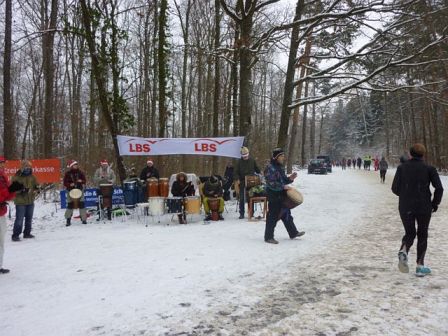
(327, 160)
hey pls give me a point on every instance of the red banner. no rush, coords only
(46, 171)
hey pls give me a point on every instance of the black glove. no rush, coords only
(434, 207)
(15, 186)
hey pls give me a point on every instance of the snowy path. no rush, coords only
(125, 279)
(351, 288)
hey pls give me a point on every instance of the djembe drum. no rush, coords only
(152, 187)
(213, 205)
(293, 198)
(75, 196)
(192, 204)
(107, 191)
(164, 187)
(252, 181)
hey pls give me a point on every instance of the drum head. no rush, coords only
(75, 193)
(295, 196)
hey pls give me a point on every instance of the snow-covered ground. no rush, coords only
(123, 278)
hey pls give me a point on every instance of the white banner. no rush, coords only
(165, 146)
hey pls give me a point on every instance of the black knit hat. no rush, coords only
(277, 152)
(213, 179)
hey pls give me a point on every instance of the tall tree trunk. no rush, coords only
(295, 120)
(186, 36)
(313, 126)
(304, 120)
(9, 146)
(163, 68)
(98, 73)
(48, 71)
(321, 129)
(387, 126)
(217, 86)
(245, 55)
(234, 83)
(200, 124)
(289, 88)
(155, 71)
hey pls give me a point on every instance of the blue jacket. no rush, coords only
(275, 176)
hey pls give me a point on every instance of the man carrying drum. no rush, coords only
(74, 178)
(277, 183)
(104, 179)
(244, 167)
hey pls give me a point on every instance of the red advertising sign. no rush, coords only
(46, 171)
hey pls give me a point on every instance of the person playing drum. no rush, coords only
(149, 171)
(182, 188)
(244, 167)
(104, 175)
(213, 189)
(74, 178)
(276, 185)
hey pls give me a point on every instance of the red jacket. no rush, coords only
(5, 195)
(72, 176)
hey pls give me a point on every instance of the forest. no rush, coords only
(344, 78)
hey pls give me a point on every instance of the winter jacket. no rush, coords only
(102, 176)
(25, 196)
(149, 172)
(72, 176)
(244, 168)
(213, 189)
(182, 189)
(5, 195)
(411, 183)
(275, 175)
(383, 165)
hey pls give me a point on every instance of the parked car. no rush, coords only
(327, 160)
(317, 166)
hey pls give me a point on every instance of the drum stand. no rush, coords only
(255, 200)
(142, 210)
(101, 211)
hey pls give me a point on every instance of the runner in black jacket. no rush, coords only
(411, 183)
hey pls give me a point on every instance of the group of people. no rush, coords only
(379, 165)
(411, 183)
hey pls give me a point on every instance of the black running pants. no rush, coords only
(409, 219)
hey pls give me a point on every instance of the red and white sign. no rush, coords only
(229, 147)
(46, 170)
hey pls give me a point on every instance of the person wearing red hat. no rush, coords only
(104, 175)
(74, 178)
(149, 171)
(7, 193)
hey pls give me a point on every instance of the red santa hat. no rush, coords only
(149, 161)
(71, 163)
(104, 162)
